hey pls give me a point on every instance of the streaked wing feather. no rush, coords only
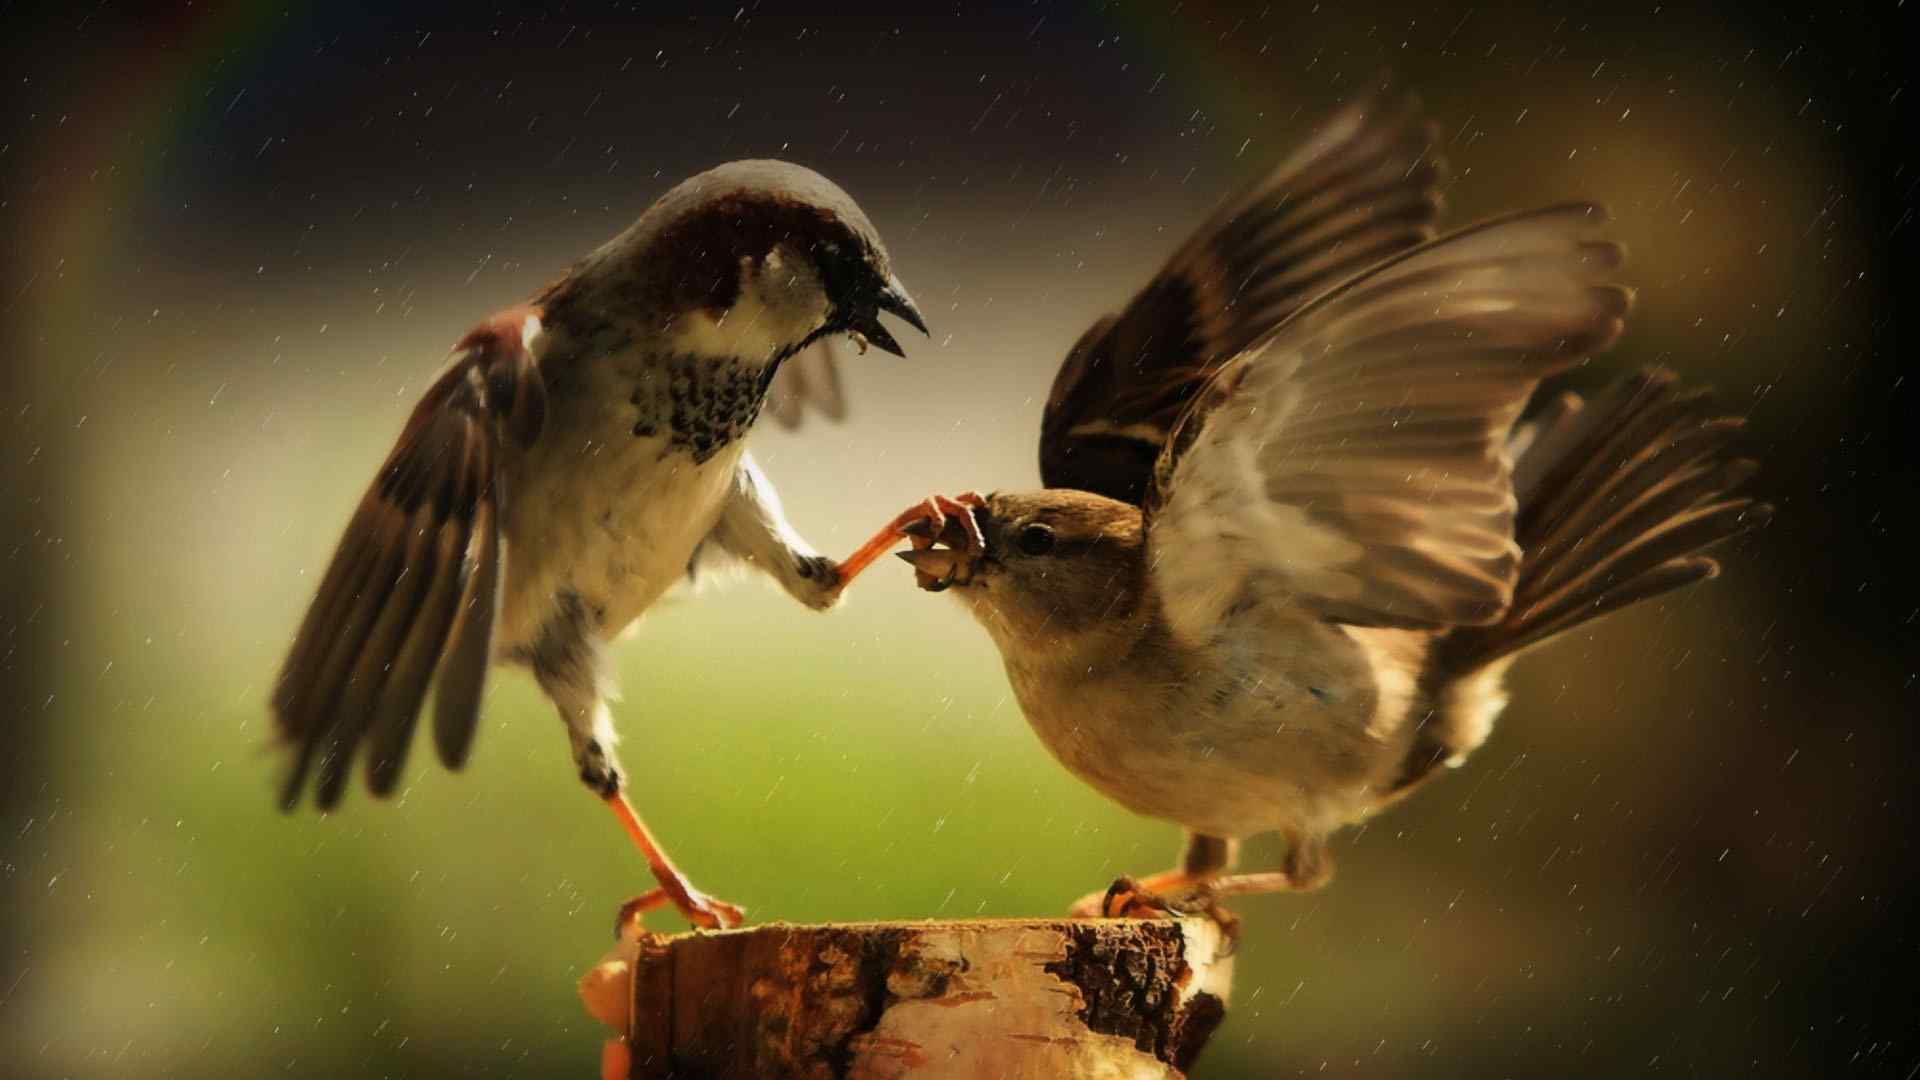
(1357, 460)
(1364, 187)
(463, 671)
(416, 569)
(397, 709)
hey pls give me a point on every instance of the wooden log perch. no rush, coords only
(1100, 998)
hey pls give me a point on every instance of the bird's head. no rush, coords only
(1046, 566)
(761, 258)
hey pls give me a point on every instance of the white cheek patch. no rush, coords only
(733, 334)
(781, 303)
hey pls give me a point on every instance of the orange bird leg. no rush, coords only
(933, 511)
(696, 907)
(891, 532)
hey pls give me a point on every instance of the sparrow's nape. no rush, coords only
(922, 522)
(695, 906)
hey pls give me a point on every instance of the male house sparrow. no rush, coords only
(1292, 536)
(566, 468)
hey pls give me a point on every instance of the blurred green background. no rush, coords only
(239, 239)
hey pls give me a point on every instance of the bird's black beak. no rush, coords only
(891, 298)
(894, 299)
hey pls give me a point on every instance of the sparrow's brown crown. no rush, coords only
(696, 249)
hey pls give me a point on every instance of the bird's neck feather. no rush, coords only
(1046, 635)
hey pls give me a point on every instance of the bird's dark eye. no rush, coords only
(1035, 539)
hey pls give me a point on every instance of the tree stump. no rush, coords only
(1099, 998)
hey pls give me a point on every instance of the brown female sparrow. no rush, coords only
(1292, 536)
(580, 455)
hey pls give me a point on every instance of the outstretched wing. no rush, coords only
(1363, 188)
(412, 587)
(808, 380)
(1357, 462)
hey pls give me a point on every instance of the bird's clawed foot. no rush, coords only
(703, 911)
(1156, 896)
(1162, 896)
(696, 907)
(631, 911)
(952, 522)
(1172, 893)
(925, 522)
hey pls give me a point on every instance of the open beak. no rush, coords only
(893, 299)
(935, 567)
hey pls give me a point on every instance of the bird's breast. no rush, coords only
(1227, 740)
(701, 405)
(631, 473)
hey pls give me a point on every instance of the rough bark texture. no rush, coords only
(1105, 998)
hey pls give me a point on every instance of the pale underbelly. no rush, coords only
(1259, 767)
(612, 527)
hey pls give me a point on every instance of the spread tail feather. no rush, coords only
(1618, 499)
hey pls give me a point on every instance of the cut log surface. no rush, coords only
(1100, 998)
